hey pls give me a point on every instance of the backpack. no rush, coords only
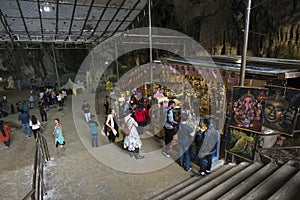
(140, 115)
(125, 128)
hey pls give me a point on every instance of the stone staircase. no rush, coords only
(240, 181)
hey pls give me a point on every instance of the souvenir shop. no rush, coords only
(265, 106)
(257, 115)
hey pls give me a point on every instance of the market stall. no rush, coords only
(268, 84)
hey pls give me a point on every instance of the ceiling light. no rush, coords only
(46, 7)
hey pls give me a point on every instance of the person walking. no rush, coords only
(4, 101)
(208, 148)
(169, 128)
(35, 125)
(106, 105)
(86, 110)
(140, 117)
(24, 117)
(5, 132)
(132, 141)
(112, 126)
(94, 131)
(185, 138)
(43, 111)
(31, 101)
(58, 134)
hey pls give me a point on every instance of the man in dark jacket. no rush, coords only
(24, 117)
(208, 148)
(185, 138)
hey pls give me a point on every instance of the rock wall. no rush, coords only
(218, 25)
(24, 64)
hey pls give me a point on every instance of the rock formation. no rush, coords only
(219, 25)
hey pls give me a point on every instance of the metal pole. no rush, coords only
(150, 33)
(117, 63)
(55, 65)
(244, 56)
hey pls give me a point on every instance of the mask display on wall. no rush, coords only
(280, 113)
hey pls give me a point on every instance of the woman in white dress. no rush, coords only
(132, 141)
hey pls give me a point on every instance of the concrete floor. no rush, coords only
(80, 171)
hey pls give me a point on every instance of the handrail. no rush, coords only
(41, 156)
(281, 148)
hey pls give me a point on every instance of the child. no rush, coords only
(57, 133)
(5, 132)
(94, 131)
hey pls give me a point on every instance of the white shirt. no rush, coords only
(58, 98)
(35, 126)
(41, 95)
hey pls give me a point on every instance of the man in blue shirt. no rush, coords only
(94, 131)
(169, 128)
(24, 117)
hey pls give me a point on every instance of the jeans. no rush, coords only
(209, 162)
(26, 129)
(95, 140)
(168, 139)
(185, 151)
(6, 143)
(31, 104)
(87, 116)
(44, 116)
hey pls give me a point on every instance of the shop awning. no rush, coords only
(277, 68)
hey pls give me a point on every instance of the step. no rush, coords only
(199, 182)
(187, 182)
(270, 185)
(248, 184)
(291, 190)
(232, 182)
(175, 188)
(213, 181)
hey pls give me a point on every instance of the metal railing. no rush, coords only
(41, 156)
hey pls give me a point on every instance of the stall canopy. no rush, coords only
(70, 85)
(258, 67)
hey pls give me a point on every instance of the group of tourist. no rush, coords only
(30, 123)
(135, 114)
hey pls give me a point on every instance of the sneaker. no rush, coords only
(6, 147)
(188, 170)
(165, 154)
(201, 174)
(207, 171)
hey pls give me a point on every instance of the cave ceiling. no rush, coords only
(68, 23)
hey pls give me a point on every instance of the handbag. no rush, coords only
(125, 128)
(115, 132)
(108, 129)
